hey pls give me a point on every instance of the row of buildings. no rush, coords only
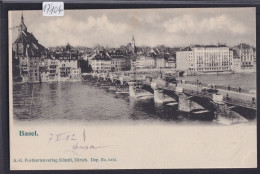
(214, 58)
(194, 58)
(117, 60)
(32, 62)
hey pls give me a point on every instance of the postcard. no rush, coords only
(171, 88)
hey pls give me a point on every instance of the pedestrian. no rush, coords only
(227, 97)
(239, 89)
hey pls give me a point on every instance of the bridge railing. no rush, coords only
(240, 102)
(228, 88)
(226, 99)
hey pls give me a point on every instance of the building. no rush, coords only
(101, 62)
(185, 60)
(209, 58)
(247, 55)
(34, 63)
(26, 56)
(236, 65)
(119, 61)
(160, 62)
(150, 62)
(139, 62)
(170, 63)
(67, 63)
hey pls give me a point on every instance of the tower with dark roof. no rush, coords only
(22, 26)
(133, 44)
(26, 55)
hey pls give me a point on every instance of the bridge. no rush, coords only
(152, 81)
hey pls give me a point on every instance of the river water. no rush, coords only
(84, 101)
(81, 100)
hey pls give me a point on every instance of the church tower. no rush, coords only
(133, 41)
(22, 26)
(133, 44)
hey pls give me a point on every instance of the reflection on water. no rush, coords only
(83, 101)
(80, 100)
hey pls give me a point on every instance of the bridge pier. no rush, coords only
(185, 104)
(224, 114)
(159, 97)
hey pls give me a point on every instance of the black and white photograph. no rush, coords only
(133, 78)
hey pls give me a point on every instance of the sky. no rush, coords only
(150, 27)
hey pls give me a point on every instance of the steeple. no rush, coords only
(133, 44)
(22, 26)
(22, 18)
(133, 41)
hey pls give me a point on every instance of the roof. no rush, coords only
(187, 49)
(210, 46)
(235, 54)
(244, 46)
(33, 47)
(102, 56)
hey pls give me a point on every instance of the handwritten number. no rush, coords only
(51, 9)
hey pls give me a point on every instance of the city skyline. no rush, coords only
(113, 28)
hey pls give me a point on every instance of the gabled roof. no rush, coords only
(187, 49)
(102, 56)
(33, 47)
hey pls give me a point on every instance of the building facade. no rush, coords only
(150, 62)
(26, 56)
(34, 63)
(101, 62)
(247, 54)
(207, 58)
(119, 61)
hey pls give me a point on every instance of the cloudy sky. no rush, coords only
(150, 27)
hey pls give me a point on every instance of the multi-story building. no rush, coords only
(34, 63)
(119, 61)
(185, 60)
(26, 56)
(170, 62)
(205, 58)
(160, 62)
(247, 55)
(150, 62)
(139, 63)
(67, 63)
(101, 62)
(236, 64)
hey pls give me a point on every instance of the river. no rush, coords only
(84, 101)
